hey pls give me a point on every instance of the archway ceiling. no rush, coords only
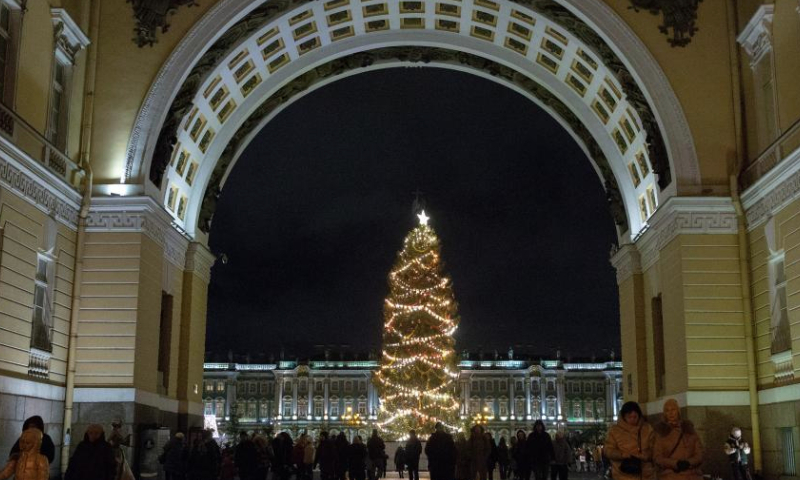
(533, 29)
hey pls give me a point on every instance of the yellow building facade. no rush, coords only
(121, 120)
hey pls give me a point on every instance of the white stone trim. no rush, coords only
(712, 398)
(627, 262)
(36, 184)
(786, 393)
(685, 216)
(773, 191)
(31, 388)
(756, 38)
(69, 37)
(199, 259)
(125, 394)
(138, 214)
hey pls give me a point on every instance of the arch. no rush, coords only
(516, 42)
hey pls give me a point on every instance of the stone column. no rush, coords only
(325, 400)
(512, 401)
(279, 394)
(230, 397)
(295, 387)
(559, 393)
(527, 380)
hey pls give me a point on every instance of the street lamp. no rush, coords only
(482, 418)
(352, 420)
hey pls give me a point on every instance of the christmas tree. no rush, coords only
(417, 375)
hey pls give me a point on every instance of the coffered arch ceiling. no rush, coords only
(195, 124)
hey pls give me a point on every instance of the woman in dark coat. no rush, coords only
(502, 458)
(93, 458)
(342, 449)
(48, 449)
(357, 459)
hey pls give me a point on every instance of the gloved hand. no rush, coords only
(683, 465)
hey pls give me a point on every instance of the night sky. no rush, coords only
(315, 211)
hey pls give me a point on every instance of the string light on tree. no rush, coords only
(417, 375)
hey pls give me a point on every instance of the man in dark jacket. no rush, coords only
(413, 451)
(93, 458)
(375, 452)
(174, 458)
(326, 457)
(47, 449)
(540, 450)
(246, 457)
(441, 453)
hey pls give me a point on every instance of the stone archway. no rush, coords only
(580, 62)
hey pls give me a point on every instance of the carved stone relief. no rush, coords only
(679, 18)
(151, 15)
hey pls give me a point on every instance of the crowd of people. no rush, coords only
(670, 450)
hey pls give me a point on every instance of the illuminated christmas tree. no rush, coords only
(417, 376)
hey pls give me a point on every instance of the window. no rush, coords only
(318, 407)
(10, 20)
(536, 409)
(165, 340)
(576, 409)
(41, 335)
(535, 386)
(208, 408)
(302, 407)
(488, 406)
(348, 405)
(287, 407)
(519, 406)
(474, 385)
(251, 387)
(287, 386)
(787, 447)
(220, 408)
(503, 407)
(220, 386)
(57, 118)
(251, 409)
(262, 388)
(318, 386)
(600, 407)
(474, 405)
(589, 410)
(779, 326)
(551, 406)
(362, 407)
(348, 386)
(518, 385)
(263, 409)
(490, 386)
(334, 407)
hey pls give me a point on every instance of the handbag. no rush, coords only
(633, 465)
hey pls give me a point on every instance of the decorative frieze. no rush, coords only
(138, 214)
(756, 38)
(679, 18)
(685, 216)
(626, 262)
(38, 191)
(151, 15)
(776, 189)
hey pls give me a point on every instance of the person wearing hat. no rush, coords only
(629, 445)
(174, 458)
(47, 448)
(29, 464)
(737, 451)
(678, 452)
(441, 453)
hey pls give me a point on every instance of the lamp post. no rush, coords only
(482, 418)
(352, 420)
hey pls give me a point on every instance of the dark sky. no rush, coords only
(314, 212)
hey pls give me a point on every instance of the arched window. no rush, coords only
(362, 406)
(263, 409)
(576, 409)
(302, 407)
(502, 407)
(551, 406)
(219, 409)
(536, 409)
(251, 409)
(349, 407)
(318, 407)
(474, 405)
(519, 407)
(287, 406)
(208, 407)
(333, 409)
(600, 407)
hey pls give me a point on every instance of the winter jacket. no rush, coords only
(463, 460)
(562, 452)
(375, 447)
(326, 457)
(540, 448)
(479, 451)
(30, 465)
(441, 453)
(175, 456)
(625, 440)
(686, 447)
(92, 461)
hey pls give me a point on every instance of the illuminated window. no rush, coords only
(57, 117)
(42, 322)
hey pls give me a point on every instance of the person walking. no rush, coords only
(562, 457)
(540, 451)
(479, 450)
(376, 449)
(173, 457)
(326, 457)
(463, 460)
(357, 459)
(400, 460)
(519, 453)
(93, 458)
(245, 457)
(678, 452)
(282, 447)
(342, 448)
(298, 457)
(47, 448)
(629, 445)
(413, 451)
(205, 458)
(737, 451)
(491, 462)
(264, 455)
(308, 457)
(28, 463)
(503, 458)
(441, 453)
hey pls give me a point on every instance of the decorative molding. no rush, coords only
(626, 261)
(138, 214)
(69, 38)
(679, 16)
(38, 186)
(685, 216)
(151, 15)
(199, 260)
(756, 38)
(772, 192)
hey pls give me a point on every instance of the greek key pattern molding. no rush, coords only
(786, 192)
(38, 192)
(686, 216)
(110, 215)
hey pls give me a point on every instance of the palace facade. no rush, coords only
(338, 395)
